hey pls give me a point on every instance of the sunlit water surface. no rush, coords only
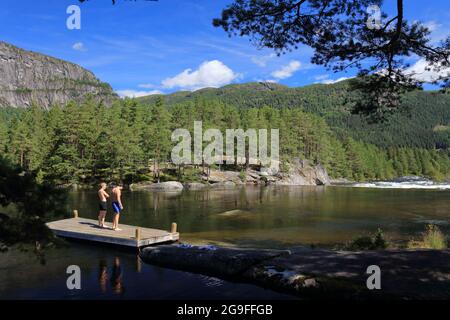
(266, 217)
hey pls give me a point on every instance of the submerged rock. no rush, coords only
(236, 214)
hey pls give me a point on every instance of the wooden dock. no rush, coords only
(129, 236)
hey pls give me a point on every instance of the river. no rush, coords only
(265, 217)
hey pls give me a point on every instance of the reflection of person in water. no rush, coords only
(116, 277)
(103, 275)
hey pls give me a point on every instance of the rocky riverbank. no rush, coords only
(299, 173)
(405, 274)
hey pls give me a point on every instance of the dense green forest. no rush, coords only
(423, 121)
(88, 142)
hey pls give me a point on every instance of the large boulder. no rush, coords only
(222, 176)
(140, 186)
(167, 186)
(163, 186)
(302, 173)
(224, 185)
(195, 186)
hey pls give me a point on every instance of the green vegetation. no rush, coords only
(23, 91)
(130, 141)
(26, 206)
(371, 242)
(410, 128)
(432, 238)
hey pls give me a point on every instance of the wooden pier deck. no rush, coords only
(129, 236)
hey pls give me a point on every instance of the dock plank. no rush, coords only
(87, 229)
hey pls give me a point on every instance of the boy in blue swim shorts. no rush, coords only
(117, 206)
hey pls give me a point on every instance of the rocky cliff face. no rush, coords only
(27, 77)
(303, 173)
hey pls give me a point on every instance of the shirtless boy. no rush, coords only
(117, 206)
(102, 196)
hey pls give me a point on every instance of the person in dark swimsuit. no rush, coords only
(102, 206)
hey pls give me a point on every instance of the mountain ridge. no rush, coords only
(29, 77)
(412, 126)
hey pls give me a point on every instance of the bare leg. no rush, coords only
(116, 221)
(101, 218)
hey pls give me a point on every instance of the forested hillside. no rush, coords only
(423, 123)
(89, 141)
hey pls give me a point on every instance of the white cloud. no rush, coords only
(209, 74)
(130, 93)
(322, 77)
(438, 31)
(325, 79)
(265, 80)
(432, 25)
(79, 46)
(287, 70)
(330, 81)
(147, 86)
(262, 61)
(420, 71)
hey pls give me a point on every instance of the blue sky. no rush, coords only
(142, 47)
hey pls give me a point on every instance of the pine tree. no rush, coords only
(4, 136)
(157, 136)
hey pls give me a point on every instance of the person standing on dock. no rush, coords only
(103, 196)
(117, 206)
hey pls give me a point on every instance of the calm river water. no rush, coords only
(266, 217)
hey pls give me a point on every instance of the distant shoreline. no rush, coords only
(424, 184)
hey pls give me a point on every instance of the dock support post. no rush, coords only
(138, 234)
(173, 229)
(75, 213)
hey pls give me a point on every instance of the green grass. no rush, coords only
(432, 238)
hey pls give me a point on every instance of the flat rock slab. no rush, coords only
(405, 274)
(215, 261)
(415, 274)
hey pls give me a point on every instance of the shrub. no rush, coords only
(372, 242)
(243, 175)
(432, 238)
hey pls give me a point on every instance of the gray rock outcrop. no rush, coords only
(165, 186)
(302, 173)
(27, 77)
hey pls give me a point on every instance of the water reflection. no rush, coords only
(116, 278)
(103, 275)
(108, 273)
